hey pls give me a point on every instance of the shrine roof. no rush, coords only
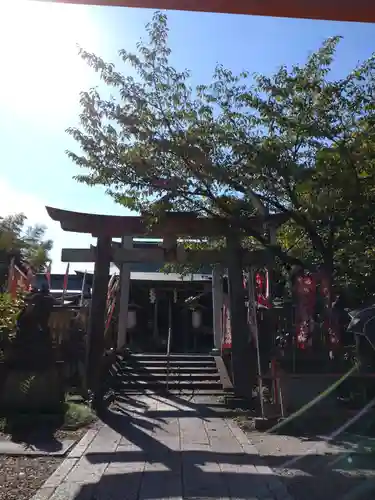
(173, 223)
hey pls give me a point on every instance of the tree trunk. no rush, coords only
(243, 362)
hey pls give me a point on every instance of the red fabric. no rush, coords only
(331, 325)
(262, 289)
(306, 301)
(13, 286)
(227, 334)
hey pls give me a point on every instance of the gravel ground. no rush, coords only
(21, 477)
(313, 469)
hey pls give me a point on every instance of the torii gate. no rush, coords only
(174, 225)
(329, 10)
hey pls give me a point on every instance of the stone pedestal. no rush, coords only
(32, 379)
(27, 391)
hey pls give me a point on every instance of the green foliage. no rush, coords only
(77, 416)
(9, 310)
(295, 142)
(26, 241)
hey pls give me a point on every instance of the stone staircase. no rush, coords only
(181, 373)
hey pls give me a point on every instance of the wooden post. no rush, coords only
(217, 305)
(242, 361)
(127, 243)
(95, 349)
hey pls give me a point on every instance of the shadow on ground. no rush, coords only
(203, 473)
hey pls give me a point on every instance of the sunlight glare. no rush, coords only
(42, 73)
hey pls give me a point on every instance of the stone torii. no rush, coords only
(174, 225)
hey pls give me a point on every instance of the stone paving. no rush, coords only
(319, 468)
(151, 447)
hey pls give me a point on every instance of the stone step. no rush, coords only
(179, 392)
(191, 373)
(172, 362)
(172, 384)
(160, 369)
(172, 376)
(175, 357)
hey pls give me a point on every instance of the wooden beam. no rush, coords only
(329, 10)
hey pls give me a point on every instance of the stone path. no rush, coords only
(154, 448)
(316, 468)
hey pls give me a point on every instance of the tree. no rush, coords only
(27, 243)
(294, 142)
(299, 142)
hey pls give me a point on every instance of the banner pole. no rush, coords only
(254, 327)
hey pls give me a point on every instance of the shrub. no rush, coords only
(9, 311)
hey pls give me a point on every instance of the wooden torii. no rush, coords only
(173, 225)
(329, 10)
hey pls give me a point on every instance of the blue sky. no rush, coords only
(42, 76)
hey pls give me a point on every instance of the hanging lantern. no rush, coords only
(196, 318)
(132, 319)
(152, 295)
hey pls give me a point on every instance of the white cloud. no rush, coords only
(13, 200)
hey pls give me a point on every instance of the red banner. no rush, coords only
(227, 332)
(331, 325)
(262, 289)
(17, 280)
(305, 290)
(48, 275)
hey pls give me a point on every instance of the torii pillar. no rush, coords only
(127, 243)
(103, 254)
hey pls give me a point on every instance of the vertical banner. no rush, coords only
(251, 305)
(17, 280)
(262, 288)
(48, 275)
(330, 324)
(253, 326)
(226, 329)
(305, 291)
